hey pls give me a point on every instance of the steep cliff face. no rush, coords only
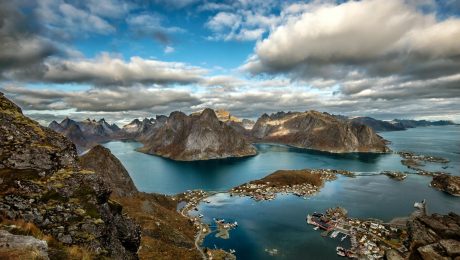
(319, 131)
(99, 159)
(43, 185)
(197, 137)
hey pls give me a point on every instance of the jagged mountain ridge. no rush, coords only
(197, 137)
(318, 131)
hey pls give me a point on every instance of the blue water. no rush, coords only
(281, 223)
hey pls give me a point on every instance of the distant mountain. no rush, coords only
(87, 133)
(142, 130)
(319, 131)
(378, 125)
(197, 137)
(418, 123)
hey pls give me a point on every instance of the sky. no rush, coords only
(121, 60)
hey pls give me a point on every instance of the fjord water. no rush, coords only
(281, 223)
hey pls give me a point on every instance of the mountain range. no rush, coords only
(210, 134)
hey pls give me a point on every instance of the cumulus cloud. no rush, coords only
(240, 20)
(151, 25)
(20, 44)
(112, 70)
(66, 21)
(355, 33)
(108, 100)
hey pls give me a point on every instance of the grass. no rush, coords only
(291, 177)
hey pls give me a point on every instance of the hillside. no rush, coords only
(318, 131)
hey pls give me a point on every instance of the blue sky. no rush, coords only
(130, 59)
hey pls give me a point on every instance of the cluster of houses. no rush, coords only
(369, 238)
(267, 192)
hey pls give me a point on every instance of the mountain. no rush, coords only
(87, 133)
(141, 130)
(197, 137)
(378, 125)
(318, 131)
(419, 123)
(46, 196)
(110, 169)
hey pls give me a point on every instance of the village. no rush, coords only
(370, 239)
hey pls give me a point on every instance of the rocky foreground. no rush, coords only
(197, 137)
(318, 131)
(434, 237)
(58, 206)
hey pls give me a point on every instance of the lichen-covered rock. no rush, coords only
(197, 137)
(24, 144)
(318, 131)
(21, 247)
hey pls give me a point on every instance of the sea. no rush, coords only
(280, 224)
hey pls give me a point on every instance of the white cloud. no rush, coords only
(355, 32)
(111, 70)
(169, 49)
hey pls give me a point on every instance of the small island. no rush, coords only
(302, 183)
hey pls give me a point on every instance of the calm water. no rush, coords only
(281, 223)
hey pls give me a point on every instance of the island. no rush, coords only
(301, 183)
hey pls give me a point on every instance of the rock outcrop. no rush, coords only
(434, 237)
(22, 247)
(447, 183)
(43, 185)
(24, 144)
(99, 159)
(197, 137)
(318, 131)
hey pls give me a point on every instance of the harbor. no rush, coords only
(370, 239)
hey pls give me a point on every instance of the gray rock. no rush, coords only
(23, 243)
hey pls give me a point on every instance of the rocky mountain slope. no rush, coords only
(45, 193)
(319, 131)
(99, 159)
(197, 137)
(166, 234)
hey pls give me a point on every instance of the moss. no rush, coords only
(53, 195)
(91, 210)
